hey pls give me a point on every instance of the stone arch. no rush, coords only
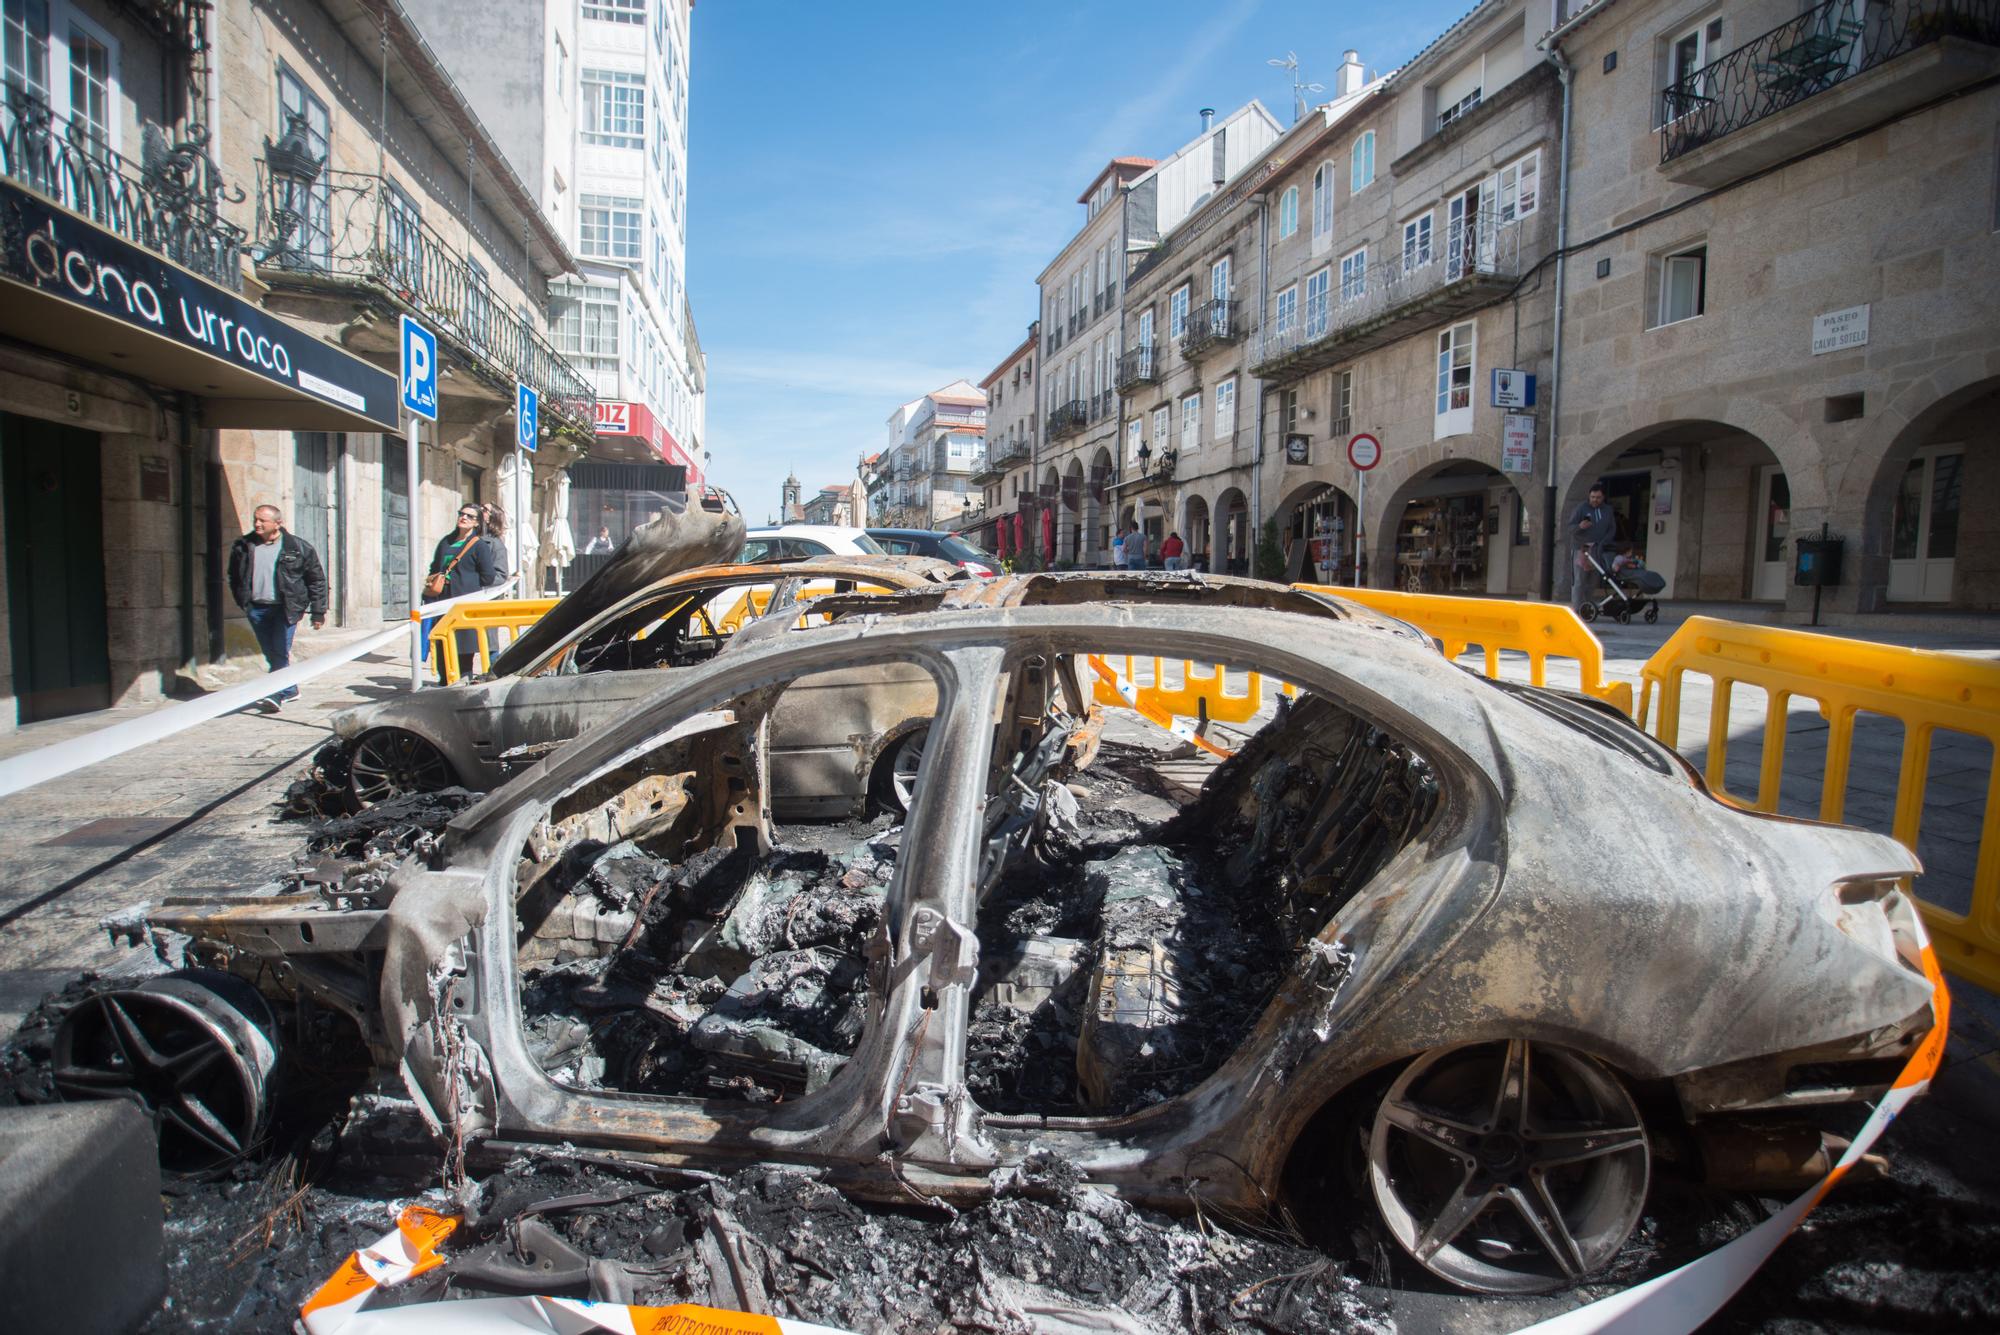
(1865, 510)
(1096, 510)
(1195, 528)
(1711, 472)
(1234, 534)
(1457, 551)
(1316, 532)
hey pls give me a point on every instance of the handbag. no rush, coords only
(437, 580)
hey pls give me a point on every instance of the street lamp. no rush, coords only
(294, 170)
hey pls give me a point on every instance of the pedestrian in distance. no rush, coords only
(1135, 548)
(493, 533)
(1117, 551)
(461, 564)
(277, 580)
(601, 544)
(1591, 526)
(1173, 552)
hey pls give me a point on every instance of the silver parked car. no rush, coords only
(1491, 944)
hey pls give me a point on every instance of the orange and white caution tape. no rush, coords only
(1151, 712)
(1681, 1300)
(410, 1250)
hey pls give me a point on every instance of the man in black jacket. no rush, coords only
(276, 578)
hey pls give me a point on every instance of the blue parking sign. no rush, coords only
(420, 370)
(527, 415)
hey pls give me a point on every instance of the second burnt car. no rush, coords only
(1493, 949)
(851, 742)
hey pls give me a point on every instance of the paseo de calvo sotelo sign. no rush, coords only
(45, 247)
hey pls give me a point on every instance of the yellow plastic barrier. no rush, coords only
(1540, 630)
(514, 614)
(1926, 691)
(1203, 692)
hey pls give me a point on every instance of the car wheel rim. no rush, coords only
(903, 770)
(196, 1055)
(392, 764)
(1509, 1167)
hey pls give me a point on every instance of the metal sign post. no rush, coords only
(527, 435)
(420, 401)
(1364, 452)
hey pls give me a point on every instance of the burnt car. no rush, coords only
(849, 742)
(1484, 955)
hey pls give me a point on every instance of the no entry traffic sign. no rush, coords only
(1364, 451)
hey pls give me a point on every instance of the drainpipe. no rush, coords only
(189, 655)
(1566, 74)
(1257, 454)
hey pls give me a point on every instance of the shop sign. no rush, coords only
(1298, 449)
(1837, 330)
(52, 251)
(1513, 389)
(636, 419)
(612, 419)
(1517, 443)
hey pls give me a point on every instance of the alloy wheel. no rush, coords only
(903, 767)
(392, 763)
(1509, 1167)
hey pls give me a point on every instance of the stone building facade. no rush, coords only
(1006, 470)
(1780, 290)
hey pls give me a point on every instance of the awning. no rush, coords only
(68, 285)
(635, 424)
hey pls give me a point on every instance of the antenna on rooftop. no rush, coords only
(1300, 88)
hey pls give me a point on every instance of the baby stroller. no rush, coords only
(1631, 589)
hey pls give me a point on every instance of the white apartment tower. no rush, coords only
(589, 100)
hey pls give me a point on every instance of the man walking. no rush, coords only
(1591, 525)
(276, 578)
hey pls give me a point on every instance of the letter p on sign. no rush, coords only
(420, 389)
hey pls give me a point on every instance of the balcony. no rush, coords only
(1068, 419)
(169, 205)
(348, 230)
(1209, 324)
(1839, 67)
(1001, 455)
(1405, 294)
(1138, 367)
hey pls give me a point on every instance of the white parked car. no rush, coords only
(791, 542)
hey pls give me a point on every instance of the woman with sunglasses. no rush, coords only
(462, 564)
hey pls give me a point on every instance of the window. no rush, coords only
(1316, 303)
(1177, 312)
(1354, 275)
(1103, 265)
(403, 228)
(1323, 201)
(1163, 421)
(1146, 328)
(1343, 400)
(1454, 380)
(615, 11)
(90, 84)
(1417, 242)
(1218, 280)
(610, 226)
(1683, 285)
(614, 108)
(1687, 56)
(1288, 212)
(1191, 422)
(588, 330)
(1361, 163)
(1225, 409)
(1446, 115)
(1519, 187)
(1135, 436)
(311, 242)
(24, 48)
(478, 303)
(1288, 411)
(1288, 308)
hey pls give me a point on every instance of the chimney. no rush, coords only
(1207, 119)
(1351, 75)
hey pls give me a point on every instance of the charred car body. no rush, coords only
(1517, 1012)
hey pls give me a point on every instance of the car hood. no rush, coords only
(690, 531)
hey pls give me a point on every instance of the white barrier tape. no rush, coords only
(60, 758)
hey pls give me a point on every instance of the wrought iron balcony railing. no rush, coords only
(1139, 366)
(1068, 419)
(1818, 50)
(1424, 286)
(357, 227)
(1208, 324)
(169, 203)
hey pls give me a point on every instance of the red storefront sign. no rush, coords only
(636, 420)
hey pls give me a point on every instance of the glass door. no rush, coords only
(1923, 541)
(1774, 530)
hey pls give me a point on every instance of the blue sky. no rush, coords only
(874, 185)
